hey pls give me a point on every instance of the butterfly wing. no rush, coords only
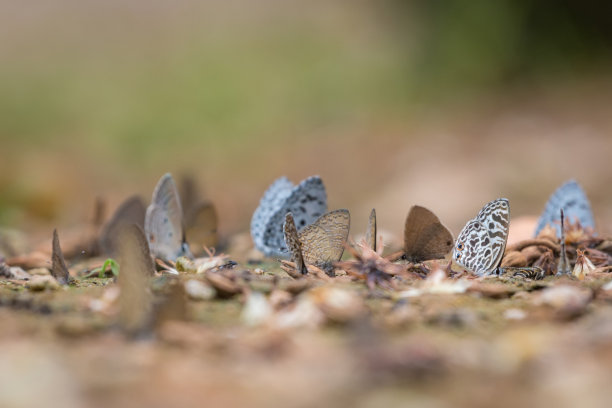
(307, 201)
(202, 229)
(323, 241)
(292, 241)
(481, 243)
(272, 200)
(571, 198)
(371, 231)
(189, 194)
(131, 211)
(59, 270)
(425, 237)
(135, 300)
(164, 221)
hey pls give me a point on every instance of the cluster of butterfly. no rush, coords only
(292, 221)
(167, 226)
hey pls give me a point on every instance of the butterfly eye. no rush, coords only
(460, 246)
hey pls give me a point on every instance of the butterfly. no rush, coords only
(201, 226)
(59, 270)
(306, 202)
(131, 211)
(164, 221)
(481, 243)
(200, 216)
(571, 198)
(136, 270)
(371, 231)
(425, 237)
(321, 243)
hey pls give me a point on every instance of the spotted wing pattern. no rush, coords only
(425, 237)
(571, 198)
(272, 200)
(481, 243)
(164, 221)
(323, 241)
(533, 273)
(307, 201)
(292, 241)
(371, 231)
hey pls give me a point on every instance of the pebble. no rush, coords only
(198, 290)
(42, 282)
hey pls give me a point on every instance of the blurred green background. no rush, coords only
(443, 103)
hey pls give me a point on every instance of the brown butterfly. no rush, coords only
(131, 211)
(136, 269)
(201, 227)
(320, 243)
(371, 231)
(425, 237)
(59, 270)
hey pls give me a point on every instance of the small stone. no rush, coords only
(257, 309)
(568, 301)
(607, 286)
(460, 318)
(515, 314)
(339, 305)
(280, 298)
(15, 272)
(39, 271)
(198, 290)
(42, 282)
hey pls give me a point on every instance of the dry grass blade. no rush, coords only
(59, 270)
(135, 299)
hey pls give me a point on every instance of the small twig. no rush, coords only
(534, 242)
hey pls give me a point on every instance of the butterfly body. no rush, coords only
(480, 245)
(307, 201)
(321, 243)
